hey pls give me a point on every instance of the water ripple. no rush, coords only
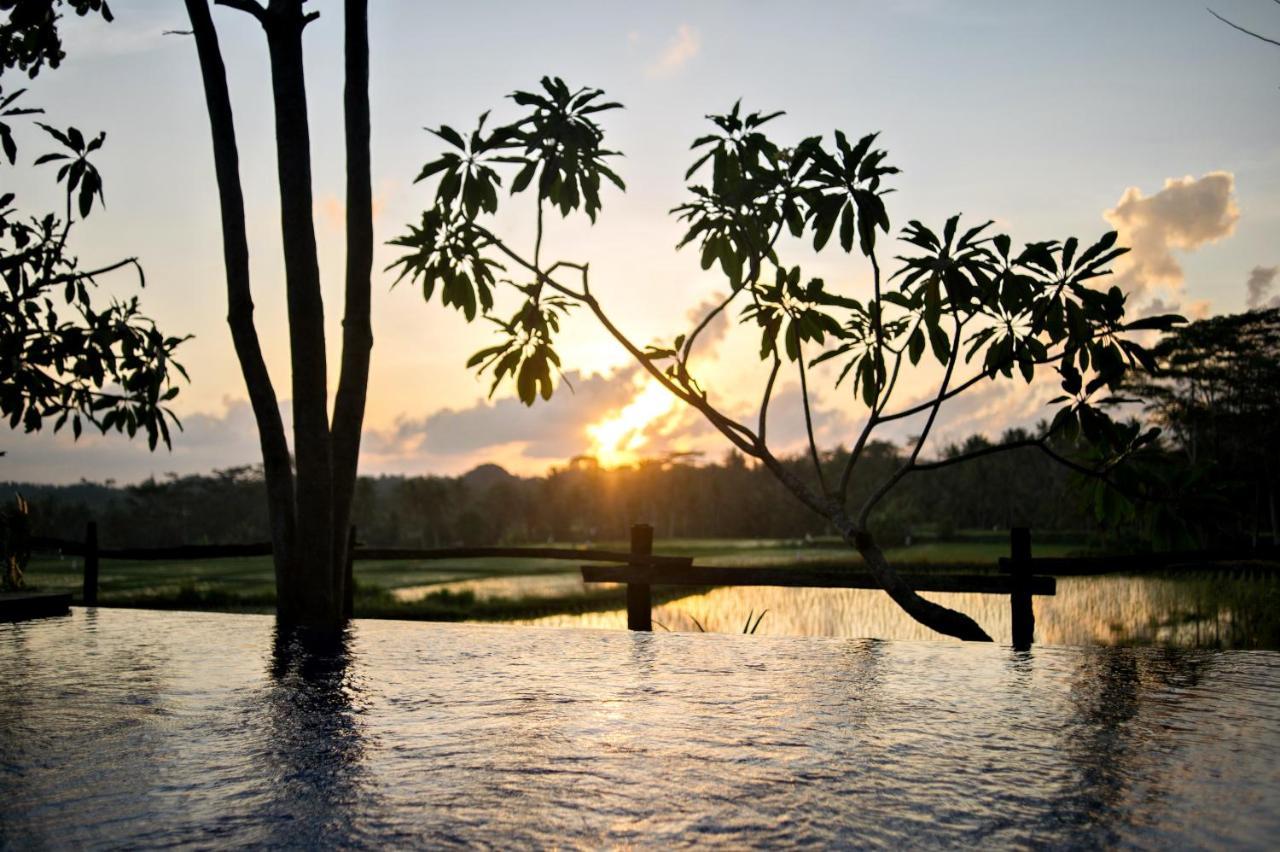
(142, 729)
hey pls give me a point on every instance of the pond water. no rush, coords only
(1197, 611)
(511, 586)
(127, 728)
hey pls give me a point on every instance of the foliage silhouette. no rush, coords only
(108, 367)
(111, 368)
(1216, 393)
(29, 38)
(962, 294)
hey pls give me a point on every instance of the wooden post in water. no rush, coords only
(348, 582)
(639, 602)
(1024, 616)
(89, 594)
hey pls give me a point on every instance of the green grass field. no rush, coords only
(247, 584)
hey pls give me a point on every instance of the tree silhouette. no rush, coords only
(959, 296)
(1216, 392)
(309, 495)
(76, 363)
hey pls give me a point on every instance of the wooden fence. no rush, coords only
(93, 554)
(1020, 584)
(1022, 577)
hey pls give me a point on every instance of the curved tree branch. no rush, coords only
(715, 312)
(248, 6)
(741, 437)
(1242, 29)
(884, 489)
(808, 424)
(764, 400)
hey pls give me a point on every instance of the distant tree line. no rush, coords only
(576, 503)
(1211, 481)
(1216, 393)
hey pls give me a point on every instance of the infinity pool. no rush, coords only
(136, 728)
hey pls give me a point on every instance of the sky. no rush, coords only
(1053, 119)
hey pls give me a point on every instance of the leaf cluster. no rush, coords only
(526, 353)
(554, 150)
(29, 38)
(960, 295)
(445, 250)
(63, 358)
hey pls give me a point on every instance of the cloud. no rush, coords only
(683, 46)
(207, 442)
(1186, 214)
(1262, 280)
(551, 431)
(713, 335)
(1196, 309)
(988, 408)
(786, 429)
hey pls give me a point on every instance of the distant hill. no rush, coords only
(485, 476)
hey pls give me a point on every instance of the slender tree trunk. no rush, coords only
(235, 248)
(314, 584)
(310, 509)
(357, 332)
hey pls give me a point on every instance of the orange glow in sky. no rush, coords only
(617, 439)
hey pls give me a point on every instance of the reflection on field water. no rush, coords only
(126, 729)
(1184, 611)
(518, 586)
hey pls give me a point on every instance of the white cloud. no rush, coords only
(1185, 215)
(1262, 280)
(550, 431)
(682, 47)
(717, 329)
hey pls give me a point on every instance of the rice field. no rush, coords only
(472, 588)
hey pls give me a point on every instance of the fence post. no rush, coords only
(89, 594)
(1023, 615)
(348, 582)
(639, 602)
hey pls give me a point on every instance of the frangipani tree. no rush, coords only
(66, 359)
(960, 295)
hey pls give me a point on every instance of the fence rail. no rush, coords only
(231, 551)
(1022, 577)
(708, 575)
(1187, 560)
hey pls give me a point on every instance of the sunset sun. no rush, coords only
(616, 439)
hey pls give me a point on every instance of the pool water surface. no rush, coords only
(123, 728)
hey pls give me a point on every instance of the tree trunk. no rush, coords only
(357, 332)
(312, 587)
(235, 248)
(310, 509)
